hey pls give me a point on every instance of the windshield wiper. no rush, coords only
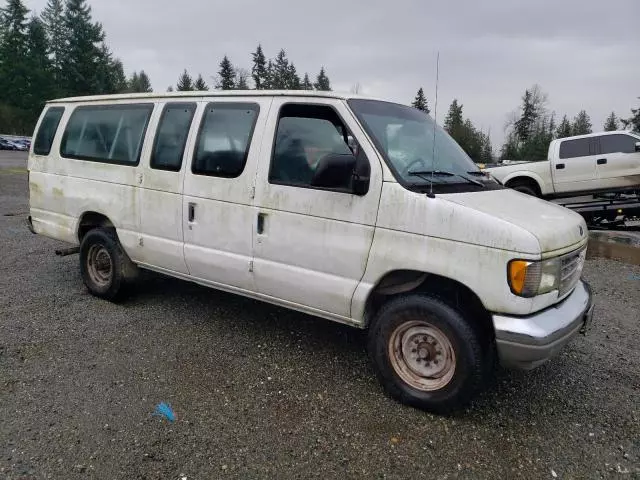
(444, 173)
(477, 173)
(425, 178)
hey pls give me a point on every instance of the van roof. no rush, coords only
(213, 93)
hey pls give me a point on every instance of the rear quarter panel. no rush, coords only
(62, 189)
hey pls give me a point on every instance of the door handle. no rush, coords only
(260, 224)
(559, 166)
(192, 211)
(601, 161)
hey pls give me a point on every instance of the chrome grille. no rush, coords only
(571, 270)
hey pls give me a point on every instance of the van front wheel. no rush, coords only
(425, 353)
(104, 265)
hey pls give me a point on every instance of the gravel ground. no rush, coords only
(262, 392)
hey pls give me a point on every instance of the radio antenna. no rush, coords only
(435, 123)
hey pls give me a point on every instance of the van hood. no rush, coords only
(555, 227)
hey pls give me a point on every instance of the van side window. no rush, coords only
(575, 148)
(47, 131)
(618, 143)
(305, 134)
(106, 133)
(171, 136)
(224, 139)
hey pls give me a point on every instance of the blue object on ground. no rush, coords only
(164, 410)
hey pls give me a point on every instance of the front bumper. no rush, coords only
(527, 342)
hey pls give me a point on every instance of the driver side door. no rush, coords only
(311, 244)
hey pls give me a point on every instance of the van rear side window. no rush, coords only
(106, 133)
(47, 131)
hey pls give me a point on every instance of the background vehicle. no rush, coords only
(598, 162)
(18, 145)
(7, 145)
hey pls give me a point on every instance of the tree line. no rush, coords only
(473, 141)
(61, 52)
(278, 73)
(530, 128)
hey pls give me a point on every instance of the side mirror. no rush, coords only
(637, 146)
(338, 172)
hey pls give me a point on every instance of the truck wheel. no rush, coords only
(425, 353)
(524, 187)
(104, 265)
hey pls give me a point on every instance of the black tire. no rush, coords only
(524, 187)
(105, 267)
(468, 371)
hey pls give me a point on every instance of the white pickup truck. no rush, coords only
(598, 162)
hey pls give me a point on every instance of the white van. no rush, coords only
(338, 206)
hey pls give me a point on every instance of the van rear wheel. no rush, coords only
(105, 267)
(426, 354)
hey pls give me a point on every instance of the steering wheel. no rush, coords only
(407, 169)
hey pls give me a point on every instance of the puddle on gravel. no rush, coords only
(614, 245)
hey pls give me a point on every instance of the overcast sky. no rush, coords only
(583, 53)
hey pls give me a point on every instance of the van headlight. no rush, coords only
(529, 278)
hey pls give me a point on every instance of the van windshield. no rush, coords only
(405, 137)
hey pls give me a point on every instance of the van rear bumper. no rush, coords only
(527, 342)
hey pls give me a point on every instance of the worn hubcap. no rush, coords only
(422, 355)
(99, 265)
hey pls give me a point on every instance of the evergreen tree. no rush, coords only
(453, 122)
(611, 124)
(633, 122)
(85, 59)
(145, 82)
(306, 83)
(322, 81)
(227, 75)
(293, 80)
(40, 81)
(118, 78)
(470, 140)
(420, 102)
(564, 129)
(54, 24)
(280, 74)
(259, 69)
(13, 51)
(104, 79)
(170, 88)
(139, 83)
(185, 82)
(510, 149)
(200, 84)
(524, 125)
(537, 146)
(133, 84)
(268, 82)
(581, 124)
(486, 155)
